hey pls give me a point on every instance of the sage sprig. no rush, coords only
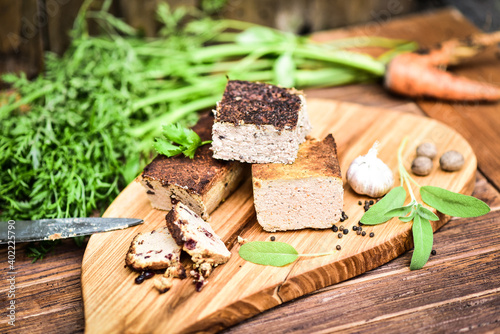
(445, 201)
(272, 253)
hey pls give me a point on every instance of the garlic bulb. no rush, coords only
(368, 175)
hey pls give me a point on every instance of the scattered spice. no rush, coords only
(273, 238)
(372, 234)
(428, 150)
(360, 223)
(421, 166)
(341, 227)
(345, 231)
(338, 247)
(363, 233)
(339, 235)
(335, 228)
(451, 161)
(371, 202)
(433, 252)
(358, 232)
(360, 203)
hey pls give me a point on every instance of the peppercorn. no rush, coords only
(354, 228)
(360, 228)
(433, 252)
(273, 238)
(371, 202)
(363, 233)
(358, 232)
(360, 223)
(335, 228)
(339, 235)
(372, 234)
(341, 227)
(341, 219)
(345, 231)
(338, 247)
(360, 203)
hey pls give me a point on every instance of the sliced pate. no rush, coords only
(259, 123)
(306, 194)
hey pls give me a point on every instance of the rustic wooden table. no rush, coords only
(457, 291)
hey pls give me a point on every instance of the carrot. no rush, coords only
(420, 74)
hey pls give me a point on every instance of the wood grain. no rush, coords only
(239, 289)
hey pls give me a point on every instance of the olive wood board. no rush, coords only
(237, 290)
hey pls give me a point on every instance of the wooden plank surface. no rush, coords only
(239, 289)
(50, 301)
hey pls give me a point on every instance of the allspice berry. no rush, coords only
(421, 166)
(451, 161)
(428, 150)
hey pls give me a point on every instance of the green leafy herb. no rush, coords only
(453, 204)
(422, 240)
(271, 253)
(186, 139)
(442, 200)
(382, 210)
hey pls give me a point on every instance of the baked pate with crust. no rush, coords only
(306, 194)
(259, 123)
(200, 183)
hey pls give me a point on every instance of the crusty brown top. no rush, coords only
(315, 158)
(194, 174)
(256, 103)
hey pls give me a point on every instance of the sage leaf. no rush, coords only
(377, 213)
(400, 212)
(284, 70)
(426, 213)
(453, 204)
(268, 253)
(410, 217)
(422, 240)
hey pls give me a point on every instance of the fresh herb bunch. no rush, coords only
(92, 115)
(186, 139)
(445, 201)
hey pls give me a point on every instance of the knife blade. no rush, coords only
(60, 228)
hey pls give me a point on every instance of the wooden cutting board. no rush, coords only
(238, 290)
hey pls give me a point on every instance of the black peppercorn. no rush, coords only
(341, 219)
(354, 228)
(372, 234)
(339, 235)
(335, 228)
(358, 232)
(338, 247)
(273, 238)
(345, 231)
(360, 203)
(363, 233)
(433, 252)
(371, 202)
(341, 227)
(360, 223)
(360, 228)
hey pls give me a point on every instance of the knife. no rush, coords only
(60, 228)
